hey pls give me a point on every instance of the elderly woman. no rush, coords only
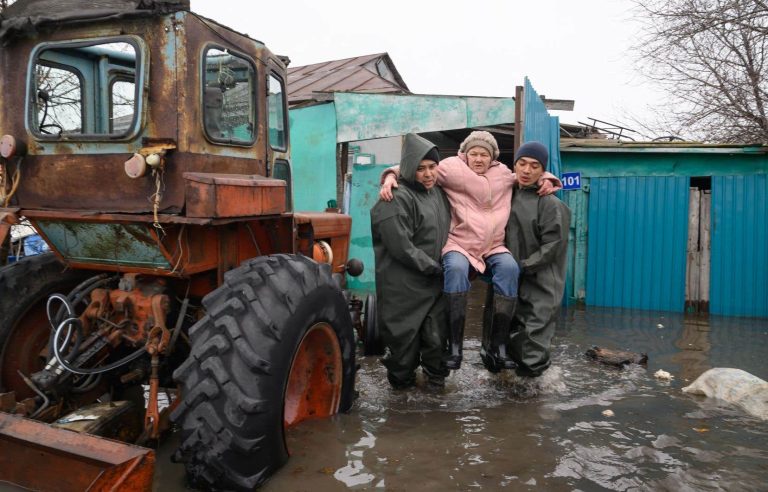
(479, 189)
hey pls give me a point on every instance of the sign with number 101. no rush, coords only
(571, 181)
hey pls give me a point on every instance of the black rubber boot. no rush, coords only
(435, 382)
(457, 313)
(496, 334)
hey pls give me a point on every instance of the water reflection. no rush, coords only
(501, 432)
(496, 432)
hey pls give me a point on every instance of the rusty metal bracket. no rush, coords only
(7, 219)
(152, 415)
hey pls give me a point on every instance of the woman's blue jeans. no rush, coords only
(501, 270)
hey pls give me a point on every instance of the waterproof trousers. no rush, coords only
(410, 346)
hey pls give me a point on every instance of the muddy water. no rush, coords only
(493, 432)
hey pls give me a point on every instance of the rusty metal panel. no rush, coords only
(40, 457)
(117, 244)
(89, 175)
(233, 195)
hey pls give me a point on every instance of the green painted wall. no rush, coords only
(368, 116)
(682, 162)
(313, 156)
(365, 194)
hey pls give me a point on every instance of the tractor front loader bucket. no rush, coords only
(37, 456)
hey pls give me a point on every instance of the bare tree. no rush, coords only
(711, 56)
(4, 4)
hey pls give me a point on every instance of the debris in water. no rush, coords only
(701, 429)
(663, 375)
(659, 326)
(608, 413)
(734, 386)
(618, 358)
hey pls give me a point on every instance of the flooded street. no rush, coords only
(493, 432)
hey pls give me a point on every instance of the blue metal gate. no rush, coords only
(638, 230)
(739, 270)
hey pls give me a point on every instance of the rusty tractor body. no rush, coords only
(149, 147)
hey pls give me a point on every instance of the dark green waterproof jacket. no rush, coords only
(408, 235)
(537, 236)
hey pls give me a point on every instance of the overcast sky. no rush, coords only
(569, 50)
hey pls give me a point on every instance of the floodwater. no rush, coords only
(497, 432)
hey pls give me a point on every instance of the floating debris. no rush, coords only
(734, 386)
(608, 413)
(663, 375)
(618, 358)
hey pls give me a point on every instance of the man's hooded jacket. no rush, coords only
(408, 235)
(537, 236)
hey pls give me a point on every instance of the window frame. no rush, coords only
(81, 80)
(254, 99)
(114, 79)
(283, 86)
(141, 76)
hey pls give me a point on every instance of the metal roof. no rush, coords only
(612, 145)
(369, 73)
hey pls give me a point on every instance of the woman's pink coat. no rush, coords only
(480, 206)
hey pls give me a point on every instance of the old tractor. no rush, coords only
(149, 147)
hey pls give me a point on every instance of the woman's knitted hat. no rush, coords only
(480, 139)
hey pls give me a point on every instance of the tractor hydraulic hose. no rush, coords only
(70, 312)
(83, 370)
(91, 381)
(69, 303)
(87, 287)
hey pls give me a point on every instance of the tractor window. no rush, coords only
(276, 106)
(60, 100)
(229, 88)
(121, 97)
(85, 89)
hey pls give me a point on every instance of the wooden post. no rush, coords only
(706, 208)
(341, 171)
(692, 270)
(519, 108)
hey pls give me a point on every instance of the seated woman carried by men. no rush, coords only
(437, 222)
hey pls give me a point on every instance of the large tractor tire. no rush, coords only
(275, 347)
(24, 327)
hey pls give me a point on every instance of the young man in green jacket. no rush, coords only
(408, 235)
(537, 236)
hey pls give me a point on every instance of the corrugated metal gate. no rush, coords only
(638, 229)
(540, 126)
(739, 275)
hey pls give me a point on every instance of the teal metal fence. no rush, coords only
(739, 260)
(540, 126)
(637, 239)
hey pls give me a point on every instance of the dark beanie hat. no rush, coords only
(534, 150)
(432, 155)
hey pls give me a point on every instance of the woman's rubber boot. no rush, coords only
(457, 313)
(495, 337)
